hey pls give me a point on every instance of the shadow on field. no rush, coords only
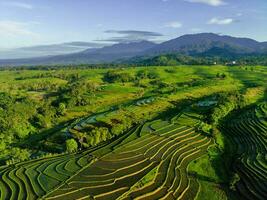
(34, 141)
(224, 163)
(223, 166)
(202, 177)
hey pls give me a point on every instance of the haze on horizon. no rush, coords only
(38, 22)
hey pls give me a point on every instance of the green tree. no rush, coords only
(2, 145)
(162, 60)
(142, 74)
(114, 76)
(71, 145)
(61, 110)
(5, 100)
(153, 75)
(172, 62)
(223, 76)
(233, 182)
(18, 155)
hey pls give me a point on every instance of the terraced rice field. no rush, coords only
(113, 170)
(150, 161)
(33, 179)
(248, 134)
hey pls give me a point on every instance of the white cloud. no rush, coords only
(174, 24)
(18, 4)
(208, 2)
(14, 29)
(220, 21)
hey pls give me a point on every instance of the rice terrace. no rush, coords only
(173, 141)
(133, 100)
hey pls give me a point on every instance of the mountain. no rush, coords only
(126, 48)
(92, 56)
(264, 44)
(48, 50)
(203, 44)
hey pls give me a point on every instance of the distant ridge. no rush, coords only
(205, 44)
(48, 50)
(200, 43)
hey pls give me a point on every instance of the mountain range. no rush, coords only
(48, 50)
(206, 44)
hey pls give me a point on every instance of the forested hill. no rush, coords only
(175, 59)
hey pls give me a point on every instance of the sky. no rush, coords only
(40, 22)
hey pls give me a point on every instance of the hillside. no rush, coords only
(200, 43)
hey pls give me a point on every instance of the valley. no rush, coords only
(183, 132)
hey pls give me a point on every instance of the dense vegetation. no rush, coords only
(178, 132)
(201, 59)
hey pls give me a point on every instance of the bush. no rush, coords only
(61, 110)
(18, 155)
(153, 75)
(97, 136)
(116, 76)
(71, 145)
(143, 74)
(235, 179)
(205, 128)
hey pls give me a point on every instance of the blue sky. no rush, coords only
(34, 22)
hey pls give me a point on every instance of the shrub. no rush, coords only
(61, 110)
(205, 128)
(116, 76)
(143, 74)
(235, 179)
(71, 145)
